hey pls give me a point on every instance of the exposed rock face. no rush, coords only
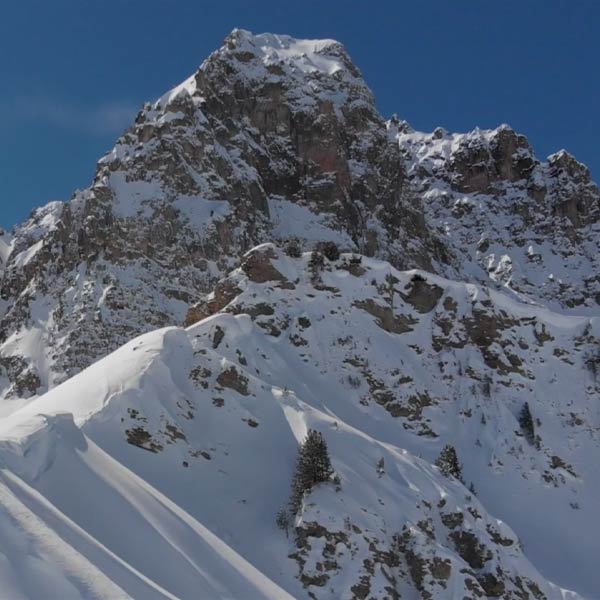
(480, 165)
(268, 121)
(511, 220)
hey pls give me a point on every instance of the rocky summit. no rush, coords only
(422, 306)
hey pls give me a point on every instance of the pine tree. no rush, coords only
(316, 261)
(447, 462)
(283, 519)
(315, 265)
(313, 466)
(527, 426)
(330, 251)
(391, 281)
(293, 248)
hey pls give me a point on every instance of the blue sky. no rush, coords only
(74, 72)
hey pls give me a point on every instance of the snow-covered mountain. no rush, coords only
(275, 138)
(232, 157)
(158, 471)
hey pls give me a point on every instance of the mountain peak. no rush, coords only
(325, 55)
(269, 60)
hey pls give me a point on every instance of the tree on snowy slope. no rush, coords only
(313, 466)
(283, 520)
(527, 426)
(447, 462)
(330, 251)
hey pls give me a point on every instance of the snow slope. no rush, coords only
(158, 471)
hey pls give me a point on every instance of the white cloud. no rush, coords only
(108, 118)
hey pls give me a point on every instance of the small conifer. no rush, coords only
(313, 466)
(447, 462)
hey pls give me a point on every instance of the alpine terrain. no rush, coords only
(284, 348)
